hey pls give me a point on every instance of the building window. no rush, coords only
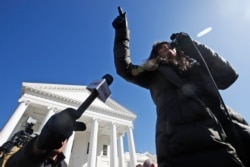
(105, 150)
(88, 148)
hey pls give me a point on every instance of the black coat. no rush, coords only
(25, 157)
(188, 133)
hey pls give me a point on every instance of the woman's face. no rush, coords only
(166, 51)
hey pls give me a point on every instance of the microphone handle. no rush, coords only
(87, 102)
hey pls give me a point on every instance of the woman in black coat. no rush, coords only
(189, 127)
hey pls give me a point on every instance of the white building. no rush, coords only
(101, 145)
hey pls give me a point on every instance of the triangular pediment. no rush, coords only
(75, 94)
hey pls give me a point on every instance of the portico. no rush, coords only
(107, 124)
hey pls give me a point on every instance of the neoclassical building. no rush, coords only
(101, 145)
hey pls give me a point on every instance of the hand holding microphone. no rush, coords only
(59, 128)
(179, 39)
(61, 125)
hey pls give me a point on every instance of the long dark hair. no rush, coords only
(181, 61)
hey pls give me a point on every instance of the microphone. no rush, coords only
(174, 37)
(98, 88)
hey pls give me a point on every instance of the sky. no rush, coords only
(71, 42)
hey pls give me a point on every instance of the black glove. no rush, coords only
(120, 22)
(179, 40)
(179, 36)
(58, 128)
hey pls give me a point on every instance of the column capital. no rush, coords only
(26, 102)
(130, 127)
(51, 108)
(95, 119)
(120, 134)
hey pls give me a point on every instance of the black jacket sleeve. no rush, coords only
(221, 70)
(122, 60)
(26, 157)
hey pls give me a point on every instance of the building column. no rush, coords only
(68, 148)
(113, 150)
(132, 152)
(121, 151)
(12, 122)
(93, 144)
(51, 111)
